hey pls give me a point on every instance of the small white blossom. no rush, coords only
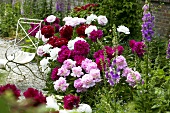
(91, 18)
(44, 64)
(84, 108)
(67, 19)
(51, 18)
(123, 29)
(102, 20)
(52, 103)
(46, 48)
(54, 53)
(39, 35)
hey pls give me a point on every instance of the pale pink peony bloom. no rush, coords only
(133, 77)
(95, 73)
(102, 20)
(61, 84)
(121, 62)
(126, 71)
(78, 84)
(77, 71)
(90, 66)
(88, 81)
(40, 51)
(51, 18)
(63, 72)
(69, 64)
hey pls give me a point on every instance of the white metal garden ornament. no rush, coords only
(15, 53)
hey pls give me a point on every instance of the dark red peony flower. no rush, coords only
(66, 32)
(63, 54)
(81, 30)
(36, 95)
(132, 43)
(78, 59)
(11, 87)
(81, 48)
(71, 101)
(57, 42)
(120, 49)
(54, 75)
(47, 31)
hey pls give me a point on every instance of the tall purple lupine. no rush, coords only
(148, 24)
(168, 51)
(60, 6)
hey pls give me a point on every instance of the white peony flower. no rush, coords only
(67, 19)
(91, 18)
(46, 48)
(38, 35)
(51, 18)
(54, 53)
(52, 103)
(70, 44)
(102, 20)
(90, 29)
(84, 108)
(123, 29)
(82, 20)
(44, 64)
(68, 111)
(44, 39)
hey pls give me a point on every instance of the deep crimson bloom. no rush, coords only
(120, 49)
(54, 75)
(66, 32)
(57, 42)
(78, 59)
(11, 87)
(81, 48)
(137, 47)
(33, 30)
(94, 35)
(47, 31)
(71, 101)
(81, 30)
(63, 54)
(85, 7)
(36, 95)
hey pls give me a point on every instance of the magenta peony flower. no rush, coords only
(63, 54)
(120, 49)
(102, 64)
(54, 75)
(13, 88)
(137, 47)
(71, 101)
(33, 30)
(98, 54)
(94, 35)
(81, 48)
(110, 52)
(121, 62)
(36, 95)
(78, 59)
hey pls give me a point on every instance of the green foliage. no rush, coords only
(8, 18)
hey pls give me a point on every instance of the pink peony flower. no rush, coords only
(61, 84)
(78, 84)
(40, 51)
(69, 64)
(77, 71)
(88, 81)
(121, 62)
(63, 71)
(95, 73)
(126, 71)
(133, 77)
